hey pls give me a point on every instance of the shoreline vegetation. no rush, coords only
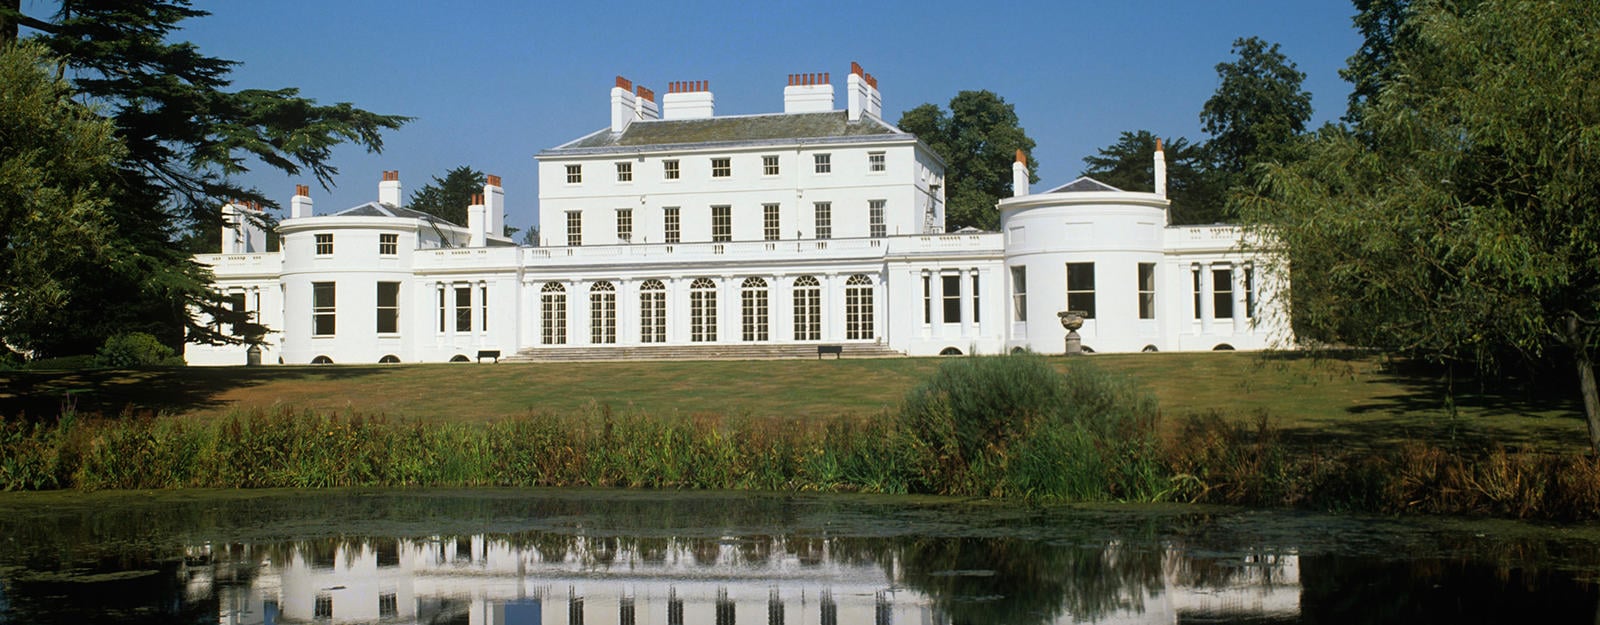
(1009, 427)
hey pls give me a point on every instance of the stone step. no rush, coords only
(698, 352)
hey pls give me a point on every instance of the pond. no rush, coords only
(551, 557)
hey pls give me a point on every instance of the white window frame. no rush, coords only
(324, 309)
(574, 228)
(672, 224)
(721, 223)
(771, 221)
(754, 310)
(388, 311)
(1147, 290)
(1080, 293)
(807, 309)
(625, 225)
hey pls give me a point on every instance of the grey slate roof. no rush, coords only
(759, 129)
(378, 209)
(1083, 184)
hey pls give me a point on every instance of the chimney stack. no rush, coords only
(494, 202)
(688, 100)
(389, 189)
(300, 204)
(1161, 170)
(808, 93)
(624, 106)
(241, 228)
(476, 222)
(645, 107)
(1019, 175)
(861, 92)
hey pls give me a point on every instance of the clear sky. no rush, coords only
(492, 83)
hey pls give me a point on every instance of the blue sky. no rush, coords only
(492, 83)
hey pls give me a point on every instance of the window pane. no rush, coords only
(1080, 288)
(952, 298)
(1222, 293)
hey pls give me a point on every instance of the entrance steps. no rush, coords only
(747, 351)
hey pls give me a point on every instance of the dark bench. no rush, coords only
(836, 350)
(489, 353)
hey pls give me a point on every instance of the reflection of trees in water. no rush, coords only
(1347, 589)
(989, 580)
(705, 550)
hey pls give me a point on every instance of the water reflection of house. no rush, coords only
(481, 580)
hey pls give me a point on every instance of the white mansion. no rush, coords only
(676, 229)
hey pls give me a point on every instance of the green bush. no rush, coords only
(135, 349)
(1102, 445)
(1014, 426)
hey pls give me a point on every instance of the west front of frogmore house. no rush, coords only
(676, 228)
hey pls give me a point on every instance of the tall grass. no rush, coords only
(1004, 427)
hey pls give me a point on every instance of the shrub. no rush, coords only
(960, 423)
(135, 349)
(1012, 425)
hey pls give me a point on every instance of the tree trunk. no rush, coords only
(8, 25)
(1591, 399)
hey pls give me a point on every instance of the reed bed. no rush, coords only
(1001, 427)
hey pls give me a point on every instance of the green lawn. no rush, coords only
(1332, 401)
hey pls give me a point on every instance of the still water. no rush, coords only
(491, 557)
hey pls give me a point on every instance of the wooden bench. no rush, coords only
(489, 353)
(836, 350)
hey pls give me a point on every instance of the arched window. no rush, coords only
(702, 311)
(603, 313)
(858, 307)
(753, 309)
(553, 314)
(652, 312)
(807, 309)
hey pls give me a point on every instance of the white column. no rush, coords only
(441, 322)
(1207, 301)
(924, 289)
(780, 308)
(577, 313)
(1241, 322)
(964, 288)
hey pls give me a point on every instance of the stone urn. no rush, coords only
(1072, 320)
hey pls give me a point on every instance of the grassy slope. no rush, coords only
(1317, 401)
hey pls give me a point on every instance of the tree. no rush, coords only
(978, 140)
(1257, 111)
(448, 198)
(184, 135)
(1467, 228)
(56, 159)
(1383, 27)
(1128, 164)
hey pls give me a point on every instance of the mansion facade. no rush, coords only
(677, 228)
